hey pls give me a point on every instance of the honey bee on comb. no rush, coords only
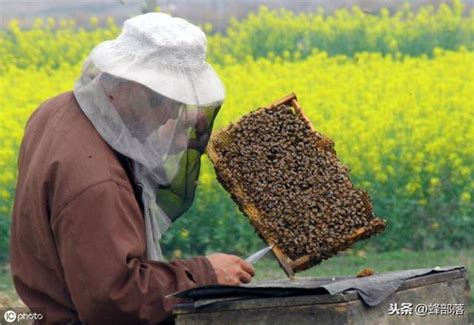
(287, 179)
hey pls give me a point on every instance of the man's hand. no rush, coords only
(230, 269)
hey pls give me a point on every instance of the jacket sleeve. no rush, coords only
(100, 239)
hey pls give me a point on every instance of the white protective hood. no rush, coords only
(153, 98)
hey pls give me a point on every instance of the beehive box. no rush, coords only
(293, 302)
(286, 178)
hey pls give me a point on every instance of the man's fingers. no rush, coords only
(245, 277)
(231, 269)
(247, 267)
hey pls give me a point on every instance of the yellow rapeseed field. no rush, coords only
(404, 125)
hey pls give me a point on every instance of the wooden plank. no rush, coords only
(284, 261)
(432, 278)
(277, 302)
(323, 314)
(284, 100)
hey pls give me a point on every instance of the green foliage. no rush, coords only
(4, 237)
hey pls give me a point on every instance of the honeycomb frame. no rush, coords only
(223, 138)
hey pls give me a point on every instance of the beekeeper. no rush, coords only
(106, 169)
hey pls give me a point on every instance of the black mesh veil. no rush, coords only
(177, 196)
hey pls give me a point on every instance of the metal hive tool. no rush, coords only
(286, 178)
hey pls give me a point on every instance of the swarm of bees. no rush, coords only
(273, 161)
(365, 272)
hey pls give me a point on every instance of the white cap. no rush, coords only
(164, 53)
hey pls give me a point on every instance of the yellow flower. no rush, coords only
(184, 233)
(434, 225)
(465, 197)
(434, 182)
(5, 195)
(423, 202)
(412, 187)
(94, 21)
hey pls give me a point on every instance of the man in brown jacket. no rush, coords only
(91, 204)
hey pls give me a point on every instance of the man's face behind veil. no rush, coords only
(141, 109)
(150, 116)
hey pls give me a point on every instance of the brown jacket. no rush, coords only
(77, 236)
